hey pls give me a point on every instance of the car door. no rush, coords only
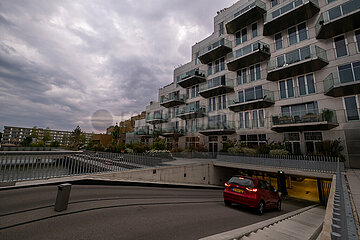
(272, 194)
(264, 192)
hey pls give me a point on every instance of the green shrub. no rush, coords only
(140, 147)
(234, 150)
(278, 152)
(159, 144)
(248, 151)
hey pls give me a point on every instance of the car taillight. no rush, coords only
(227, 185)
(252, 189)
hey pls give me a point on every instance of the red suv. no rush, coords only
(252, 192)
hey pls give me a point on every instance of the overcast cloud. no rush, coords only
(60, 61)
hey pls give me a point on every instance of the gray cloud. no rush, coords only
(62, 61)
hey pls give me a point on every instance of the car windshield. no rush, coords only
(246, 182)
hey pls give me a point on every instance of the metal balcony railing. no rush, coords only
(215, 82)
(327, 115)
(243, 9)
(227, 125)
(191, 109)
(212, 46)
(260, 94)
(173, 97)
(192, 73)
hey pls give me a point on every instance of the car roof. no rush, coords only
(254, 179)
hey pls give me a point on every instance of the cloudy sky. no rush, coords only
(61, 61)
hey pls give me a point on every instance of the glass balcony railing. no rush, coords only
(217, 82)
(343, 82)
(306, 116)
(226, 125)
(243, 57)
(172, 130)
(156, 117)
(190, 74)
(222, 42)
(191, 109)
(173, 97)
(249, 96)
(334, 14)
(143, 131)
(286, 7)
(244, 15)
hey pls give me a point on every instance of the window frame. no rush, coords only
(357, 107)
(346, 46)
(297, 33)
(287, 89)
(306, 84)
(355, 40)
(282, 41)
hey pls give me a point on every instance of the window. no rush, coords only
(352, 109)
(278, 41)
(340, 46)
(212, 104)
(300, 110)
(256, 118)
(349, 72)
(197, 61)
(221, 102)
(255, 73)
(219, 65)
(292, 142)
(312, 141)
(241, 36)
(274, 3)
(297, 34)
(254, 30)
(306, 84)
(294, 56)
(357, 39)
(241, 76)
(286, 89)
(221, 28)
(253, 140)
(209, 69)
(250, 94)
(195, 91)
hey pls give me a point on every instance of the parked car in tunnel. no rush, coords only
(251, 192)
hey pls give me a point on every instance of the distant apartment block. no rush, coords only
(15, 135)
(282, 71)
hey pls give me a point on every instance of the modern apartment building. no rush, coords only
(279, 70)
(15, 135)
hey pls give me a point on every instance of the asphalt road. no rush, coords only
(123, 212)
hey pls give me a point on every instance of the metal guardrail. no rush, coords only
(343, 223)
(306, 163)
(19, 166)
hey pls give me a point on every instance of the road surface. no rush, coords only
(123, 212)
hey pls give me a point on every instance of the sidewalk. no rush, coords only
(353, 177)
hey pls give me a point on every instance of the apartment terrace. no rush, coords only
(216, 86)
(190, 112)
(255, 99)
(244, 15)
(305, 121)
(289, 13)
(215, 51)
(248, 55)
(337, 20)
(191, 78)
(304, 60)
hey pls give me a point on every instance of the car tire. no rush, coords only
(260, 208)
(227, 203)
(278, 206)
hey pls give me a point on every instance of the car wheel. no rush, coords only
(227, 203)
(260, 208)
(278, 206)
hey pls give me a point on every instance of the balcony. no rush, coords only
(248, 55)
(244, 15)
(191, 78)
(143, 132)
(304, 60)
(344, 85)
(252, 100)
(289, 13)
(305, 121)
(156, 119)
(340, 19)
(172, 100)
(190, 112)
(215, 51)
(218, 128)
(172, 131)
(216, 86)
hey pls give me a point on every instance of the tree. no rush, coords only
(116, 134)
(47, 136)
(76, 137)
(26, 142)
(1, 135)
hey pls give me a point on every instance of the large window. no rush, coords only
(241, 77)
(252, 119)
(217, 122)
(221, 28)
(253, 140)
(297, 34)
(241, 36)
(254, 30)
(357, 38)
(349, 72)
(278, 41)
(286, 89)
(274, 3)
(250, 94)
(209, 69)
(313, 141)
(294, 56)
(300, 110)
(340, 46)
(292, 142)
(219, 65)
(352, 108)
(255, 72)
(306, 84)
(194, 91)
(221, 102)
(212, 104)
